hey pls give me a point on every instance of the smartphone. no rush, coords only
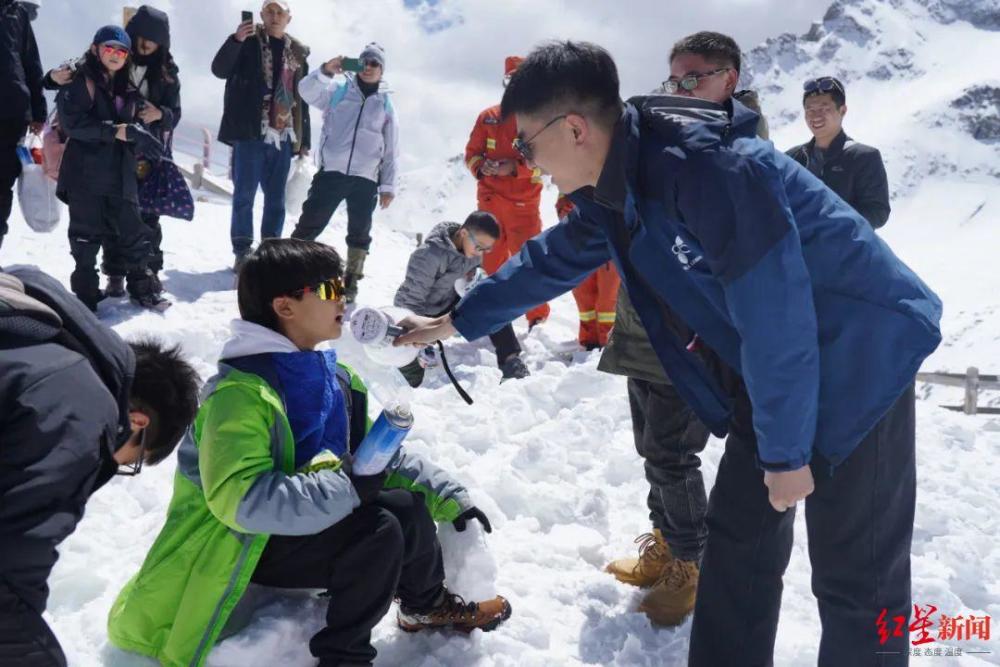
(247, 17)
(351, 65)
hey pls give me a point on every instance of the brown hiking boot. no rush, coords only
(454, 613)
(644, 571)
(672, 597)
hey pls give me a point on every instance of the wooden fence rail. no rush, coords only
(973, 383)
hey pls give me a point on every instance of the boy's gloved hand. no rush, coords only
(469, 515)
(368, 486)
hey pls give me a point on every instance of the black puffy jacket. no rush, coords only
(20, 67)
(163, 81)
(94, 161)
(855, 172)
(65, 380)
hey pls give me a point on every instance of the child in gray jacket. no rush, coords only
(453, 252)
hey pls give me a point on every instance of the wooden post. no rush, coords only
(206, 151)
(199, 176)
(971, 390)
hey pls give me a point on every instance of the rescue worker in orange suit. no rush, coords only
(508, 188)
(596, 296)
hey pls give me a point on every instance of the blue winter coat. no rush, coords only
(780, 277)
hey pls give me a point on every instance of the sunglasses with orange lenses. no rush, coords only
(328, 290)
(109, 50)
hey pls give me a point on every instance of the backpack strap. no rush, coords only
(356, 406)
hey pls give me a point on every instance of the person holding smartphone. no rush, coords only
(358, 152)
(264, 118)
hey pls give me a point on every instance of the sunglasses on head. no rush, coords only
(109, 50)
(823, 84)
(328, 290)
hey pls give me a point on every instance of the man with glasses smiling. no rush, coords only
(811, 372)
(851, 169)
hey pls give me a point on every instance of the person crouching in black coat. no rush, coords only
(97, 177)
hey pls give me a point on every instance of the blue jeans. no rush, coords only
(256, 163)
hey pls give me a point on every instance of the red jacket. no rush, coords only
(493, 138)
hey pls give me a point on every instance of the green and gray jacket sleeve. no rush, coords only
(445, 498)
(242, 487)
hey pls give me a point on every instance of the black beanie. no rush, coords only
(152, 24)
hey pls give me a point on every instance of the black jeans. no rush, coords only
(328, 189)
(11, 132)
(669, 437)
(112, 222)
(859, 522)
(386, 549)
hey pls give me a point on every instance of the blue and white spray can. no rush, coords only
(383, 441)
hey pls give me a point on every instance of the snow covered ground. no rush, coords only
(550, 460)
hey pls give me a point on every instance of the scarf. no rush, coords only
(277, 115)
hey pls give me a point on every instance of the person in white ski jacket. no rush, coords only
(358, 152)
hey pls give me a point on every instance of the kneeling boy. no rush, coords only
(263, 494)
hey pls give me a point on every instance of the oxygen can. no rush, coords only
(383, 441)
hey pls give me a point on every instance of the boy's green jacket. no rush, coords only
(235, 485)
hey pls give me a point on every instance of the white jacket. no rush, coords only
(360, 135)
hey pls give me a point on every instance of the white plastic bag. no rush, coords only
(297, 189)
(37, 195)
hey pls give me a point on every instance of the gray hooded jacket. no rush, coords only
(429, 286)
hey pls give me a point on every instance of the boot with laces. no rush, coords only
(454, 613)
(672, 597)
(644, 571)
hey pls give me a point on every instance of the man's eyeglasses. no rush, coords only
(328, 290)
(524, 147)
(823, 84)
(119, 51)
(690, 81)
(478, 246)
(134, 468)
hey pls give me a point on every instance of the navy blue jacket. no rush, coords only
(779, 276)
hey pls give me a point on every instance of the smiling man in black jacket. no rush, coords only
(851, 169)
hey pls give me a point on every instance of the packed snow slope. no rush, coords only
(550, 458)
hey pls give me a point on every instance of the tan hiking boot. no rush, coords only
(454, 613)
(672, 597)
(644, 571)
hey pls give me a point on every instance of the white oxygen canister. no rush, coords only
(375, 329)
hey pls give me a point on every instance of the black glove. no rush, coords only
(368, 486)
(146, 144)
(469, 515)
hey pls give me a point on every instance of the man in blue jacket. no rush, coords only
(814, 332)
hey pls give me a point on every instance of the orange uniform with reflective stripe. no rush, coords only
(514, 200)
(596, 296)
